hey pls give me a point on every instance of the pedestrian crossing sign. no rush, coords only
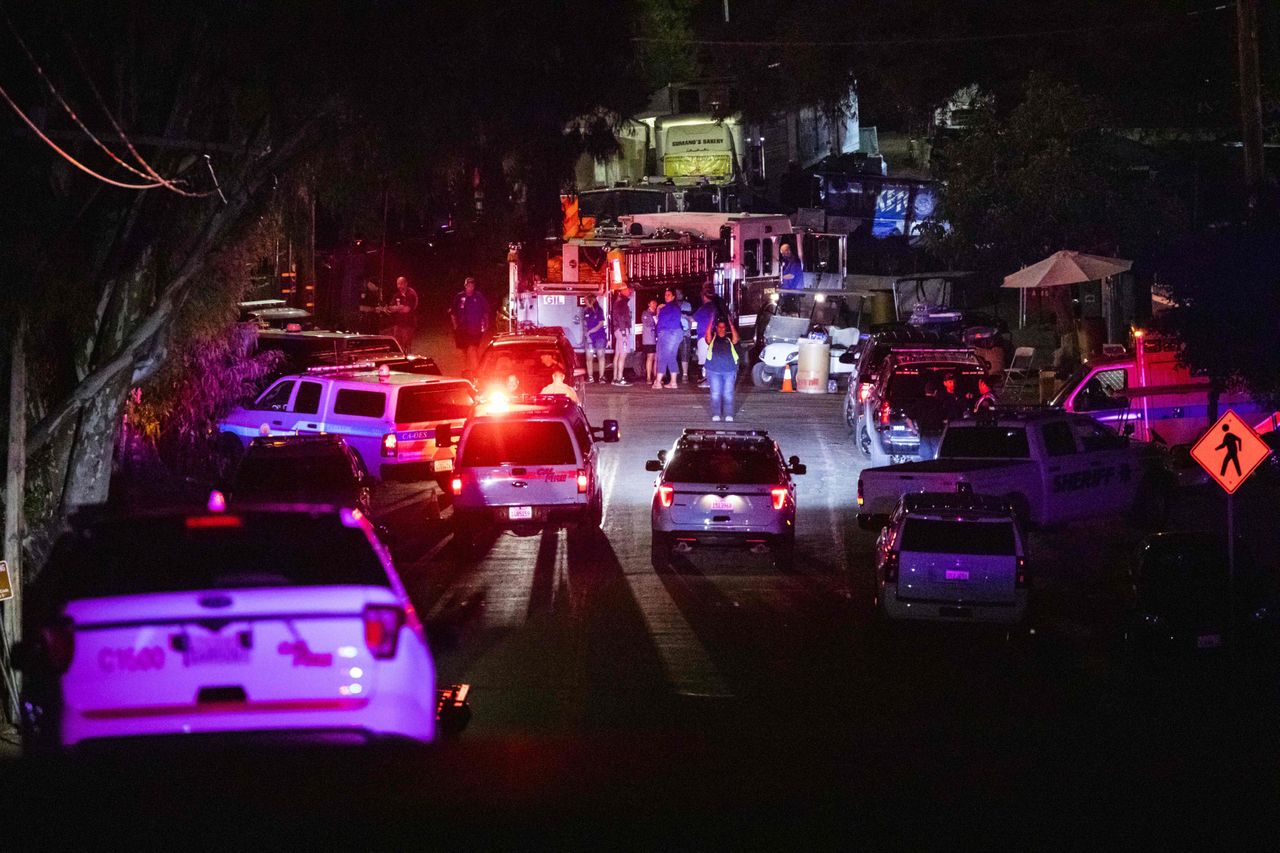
(1230, 451)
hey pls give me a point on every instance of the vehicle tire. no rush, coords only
(763, 376)
(1150, 510)
(864, 441)
(784, 555)
(593, 514)
(850, 414)
(660, 551)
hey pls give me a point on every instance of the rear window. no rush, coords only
(978, 442)
(164, 555)
(933, 536)
(496, 443)
(362, 404)
(419, 403)
(267, 474)
(907, 382)
(726, 465)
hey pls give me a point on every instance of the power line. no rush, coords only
(903, 42)
(72, 160)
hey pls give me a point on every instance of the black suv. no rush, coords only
(316, 469)
(303, 350)
(528, 357)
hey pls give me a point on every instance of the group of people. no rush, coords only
(941, 402)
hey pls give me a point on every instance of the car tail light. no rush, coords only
(455, 485)
(382, 623)
(1021, 580)
(389, 444)
(59, 645)
(582, 482)
(864, 391)
(666, 495)
(884, 413)
(779, 495)
(861, 501)
(891, 567)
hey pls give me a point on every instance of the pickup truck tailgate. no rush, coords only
(881, 488)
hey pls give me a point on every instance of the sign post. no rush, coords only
(1230, 451)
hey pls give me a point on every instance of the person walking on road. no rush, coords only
(469, 315)
(621, 329)
(649, 338)
(1230, 443)
(670, 327)
(404, 313)
(595, 336)
(721, 366)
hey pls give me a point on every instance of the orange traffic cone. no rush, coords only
(786, 379)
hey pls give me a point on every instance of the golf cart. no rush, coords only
(793, 314)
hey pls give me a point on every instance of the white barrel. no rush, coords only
(814, 366)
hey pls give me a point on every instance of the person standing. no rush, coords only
(595, 336)
(703, 320)
(622, 329)
(792, 271)
(371, 309)
(469, 315)
(670, 328)
(404, 313)
(649, 338)
(721, 366)
(928, 416)
(686, 342)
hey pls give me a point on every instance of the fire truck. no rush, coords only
(735, 253)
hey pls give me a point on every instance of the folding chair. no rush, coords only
(1019, 375)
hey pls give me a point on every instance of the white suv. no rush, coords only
(388, 417)
(526, 465)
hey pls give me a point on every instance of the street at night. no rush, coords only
(674, 424)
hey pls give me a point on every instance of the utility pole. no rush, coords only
(1250, 99)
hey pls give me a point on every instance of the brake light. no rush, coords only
(59, 644)
(891, 567)
(382, 623)
(582, 482)
(389, 444)
(1021, 580)
(779, 495)
(884, 413)
(455, 485)
(860, 500)
(204, 522)
(864, 391)
(666, 495)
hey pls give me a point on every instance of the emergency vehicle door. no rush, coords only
(1068, 482)
(1103, 397)
(306, 413)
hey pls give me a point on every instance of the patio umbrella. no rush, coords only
(1060, 268)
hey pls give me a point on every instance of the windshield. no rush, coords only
(981, 442)
(1059, 398)
(267, 474)
(253, 549)
(422, 403)
(724, 465)
(494, 443)
(935, 536)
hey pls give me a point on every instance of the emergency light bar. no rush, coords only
(726, 433)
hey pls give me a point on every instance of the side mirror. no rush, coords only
(611, 431)
(1127, 430)
(795, 466)
(444, 435)
(662, 456)
(653, 465)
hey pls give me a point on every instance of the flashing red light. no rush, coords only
(217, 502)
(204, 522)
(382, 623)
(455, 485)
(779, 495)
(582, 482)
(390, 444)
(666, 495)
(891, 567)
(1021, 580)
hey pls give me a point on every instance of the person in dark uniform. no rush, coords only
(372, 312)
(469, 315)
(928, 417)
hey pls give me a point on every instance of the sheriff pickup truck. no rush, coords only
(1052, 466)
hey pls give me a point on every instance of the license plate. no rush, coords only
(219, 649)
(722, 504)
(1208, 641)
(520, 513)
(957, 575)
(442, 465)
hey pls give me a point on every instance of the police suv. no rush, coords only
(387, 417)
(525, 464)
(724, 488)
(1052, 467)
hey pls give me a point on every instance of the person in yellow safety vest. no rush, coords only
(722, 367)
